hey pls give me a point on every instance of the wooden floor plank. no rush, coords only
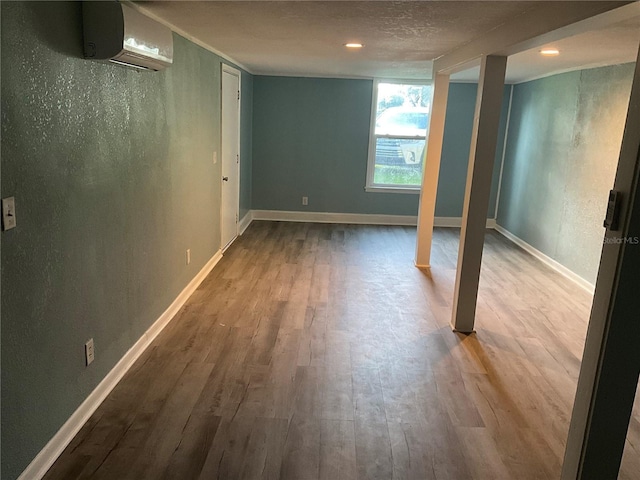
(318, 351)
(189, 457)
(337, 450)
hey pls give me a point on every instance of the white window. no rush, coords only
(399, 121)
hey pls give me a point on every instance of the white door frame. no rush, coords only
(608, 373)
(233, 71)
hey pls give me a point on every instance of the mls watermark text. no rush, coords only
(621, 240)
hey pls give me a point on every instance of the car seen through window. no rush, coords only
(400, 135)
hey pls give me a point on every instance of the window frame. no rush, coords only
(371, 154)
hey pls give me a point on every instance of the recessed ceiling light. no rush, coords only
(549, 52)
(353, 45)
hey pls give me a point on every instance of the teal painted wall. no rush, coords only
(310, 137)
(113, 177)
(456, 144)
(246, 143)
(562, 151)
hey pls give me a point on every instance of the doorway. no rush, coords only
(230, 154)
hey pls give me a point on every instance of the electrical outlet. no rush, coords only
(8, 213)
(305, 200)
(215, 157)
(188, 256)
(89, 352)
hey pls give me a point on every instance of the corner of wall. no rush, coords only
(548, 261)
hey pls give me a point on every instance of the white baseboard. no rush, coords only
(326, 217)
(52, 450)
(354, 218)
(245, 222)
(456, 222)
(550, 262)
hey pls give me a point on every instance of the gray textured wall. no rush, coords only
(562, 152)
(113, 177)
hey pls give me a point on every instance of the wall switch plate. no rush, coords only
(305, 200)
(215, 157)
(188, 256)
(8, 213)
(89, 353)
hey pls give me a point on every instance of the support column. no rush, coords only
(476, 198)
(611, 360)
(431, 170)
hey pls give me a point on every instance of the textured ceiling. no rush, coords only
(615, 44)
(306, 38)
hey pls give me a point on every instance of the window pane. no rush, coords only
(399, 151)
(402, 109)
(397, 175)
(399, 134)
(398, 162)
(404, 121)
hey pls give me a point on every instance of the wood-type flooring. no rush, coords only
(318, 351)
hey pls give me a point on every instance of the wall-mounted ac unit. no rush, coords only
(118, 33)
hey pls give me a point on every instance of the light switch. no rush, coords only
(8, 213)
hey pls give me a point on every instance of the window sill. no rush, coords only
(410, 190)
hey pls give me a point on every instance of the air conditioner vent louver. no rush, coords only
(118, 33)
